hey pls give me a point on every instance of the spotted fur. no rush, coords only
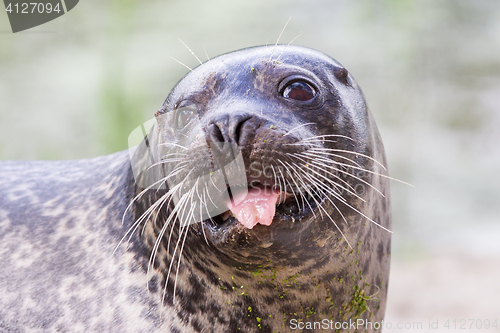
(61, 223)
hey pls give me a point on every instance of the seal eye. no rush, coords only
(299, 91)
(183, 117)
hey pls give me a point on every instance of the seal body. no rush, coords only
(59, 226)
(257, 203)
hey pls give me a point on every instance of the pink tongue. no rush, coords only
(258, 206)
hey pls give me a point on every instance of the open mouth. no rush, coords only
(263, 204)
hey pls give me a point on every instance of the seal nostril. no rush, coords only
(217, 133)
(214, 133)
(238, 132)
(229, 128)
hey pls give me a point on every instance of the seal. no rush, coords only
(258, 202)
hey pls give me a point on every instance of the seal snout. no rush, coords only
(235, 128)
(265, 152)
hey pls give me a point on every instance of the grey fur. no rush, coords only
(61, 221)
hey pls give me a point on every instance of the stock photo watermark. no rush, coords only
(26, 14)
(363, 324)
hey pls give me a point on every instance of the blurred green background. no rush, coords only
(430, 69)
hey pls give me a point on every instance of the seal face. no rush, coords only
(272, 168)
(259, 203)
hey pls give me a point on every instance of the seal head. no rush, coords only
(269, 159)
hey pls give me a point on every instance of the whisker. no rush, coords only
(180, 63)
(300, 143)
(220, 191)
(277, 182)
(317, 164)
(351, 152)
(171, 216)
(175, 154)
(201, 217)
(291, 187)
(157, 206)
(334, 223)
(331, 219)
(277, 59)
(162, 162)
(182, 227)
(187, 47)
(357, 211)
(180, 253)
(285, 182)
(326, 191)
(174, 172)
(300, 189)
(172, 144)
(154, 251)
(335, 185)
(277, 41)
(330, 180)
(182, 202)
(137, 197)
(308, 189)
(297, 127)
(208, 58)
(369, 219)
(336, 226)
(327, 156)
(138, 221)
(366, 217)
(209, 197)
(330, 135)
(372, 172)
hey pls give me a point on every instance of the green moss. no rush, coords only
(309, 312)
(358, 303)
